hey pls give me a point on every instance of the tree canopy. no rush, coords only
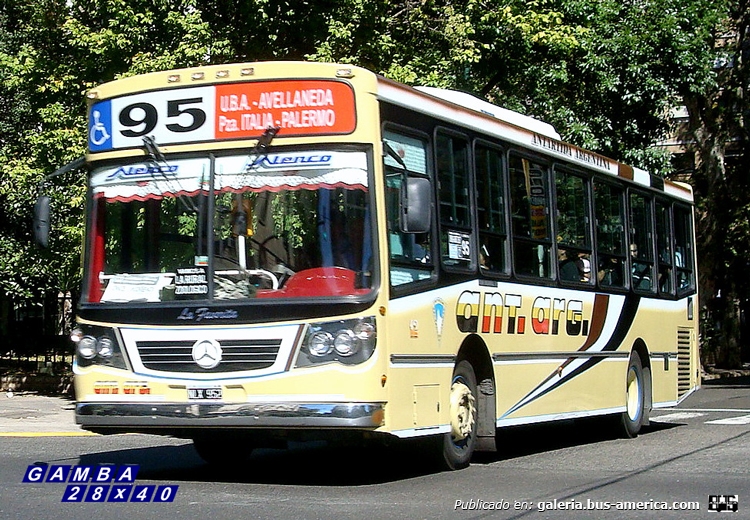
(605, 72)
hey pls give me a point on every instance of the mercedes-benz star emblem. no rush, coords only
(207, 353)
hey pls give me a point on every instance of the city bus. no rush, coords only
(285, 251)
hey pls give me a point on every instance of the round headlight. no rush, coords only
(364, 330)
(76, 335)
(87, 347)
(104, 347)
(345, 343)
(320, 343)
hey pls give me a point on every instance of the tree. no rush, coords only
(51, 53)
(604, 72)
(717, 134)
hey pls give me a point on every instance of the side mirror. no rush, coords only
(416, 197)
(41, 221)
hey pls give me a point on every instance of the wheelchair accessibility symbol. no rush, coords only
(100, 127)
(99, 133)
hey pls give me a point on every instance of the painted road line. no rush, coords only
(743, 419)
(673, 417)
(709, 410)
(47, 434)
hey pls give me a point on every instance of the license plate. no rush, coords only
(204, 393)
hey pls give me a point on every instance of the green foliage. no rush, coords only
(51, 52)
(604, 72)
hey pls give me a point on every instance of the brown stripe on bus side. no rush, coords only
(625, 171)
(598, 317)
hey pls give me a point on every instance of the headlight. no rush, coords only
(76, 335)
(320, 344)
(105, 347)
(346, 341)
(97, 346)
(87, 347)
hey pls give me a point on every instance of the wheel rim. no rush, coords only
(634, 395)
(462, 411)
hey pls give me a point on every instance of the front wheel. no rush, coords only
(635, 397)
(458, 445)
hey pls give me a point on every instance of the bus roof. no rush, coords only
(519, 129)
(479, 105)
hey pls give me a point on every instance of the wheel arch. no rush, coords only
(475, 351)
(640, 347)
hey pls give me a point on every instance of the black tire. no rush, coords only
(635, 398)
(458, 444)
(221, 452)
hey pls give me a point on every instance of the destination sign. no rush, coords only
(221, 112)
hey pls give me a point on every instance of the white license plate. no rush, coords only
(204, 393)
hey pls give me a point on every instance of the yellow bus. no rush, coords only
(280, 251)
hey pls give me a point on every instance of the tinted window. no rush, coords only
(490, 208)
(532, 240)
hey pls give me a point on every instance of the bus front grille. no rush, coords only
(236, 355)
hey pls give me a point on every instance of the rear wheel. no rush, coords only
(458, 445)
(635, 397)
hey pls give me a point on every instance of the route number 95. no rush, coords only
(171, 116)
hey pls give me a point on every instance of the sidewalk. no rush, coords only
(31, 415)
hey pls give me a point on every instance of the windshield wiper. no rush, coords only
(158, 158)
(260, 150)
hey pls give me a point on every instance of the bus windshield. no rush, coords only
(283, 225)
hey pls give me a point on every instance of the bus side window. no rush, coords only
(410, 255)
(683, 253)
(572, 227)
(609, 210)
(529, 202)
(664, 248)
(489, 168)
(641, 243)
(452, 164)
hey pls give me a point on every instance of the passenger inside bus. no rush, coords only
(641, 270)
(571, 265)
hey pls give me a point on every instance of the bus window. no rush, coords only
(610, 234)
(641, 245)
(664, 247)
(572, 227)
(529, 201)
(452, 160)
(410, 253)
(683, 251)
(490, 208)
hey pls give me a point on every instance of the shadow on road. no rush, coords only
(728, 382)
(316, 464)
(521, 441)
(312, 464)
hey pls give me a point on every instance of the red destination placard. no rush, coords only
(309, 107)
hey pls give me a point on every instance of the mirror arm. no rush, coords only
(73, 165)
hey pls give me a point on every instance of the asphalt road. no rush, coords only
(698, 450)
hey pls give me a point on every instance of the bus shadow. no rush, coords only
(728, 382)
(320, 464)
(521, 441)
(303, 464)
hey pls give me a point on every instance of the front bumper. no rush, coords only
(139, 416)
